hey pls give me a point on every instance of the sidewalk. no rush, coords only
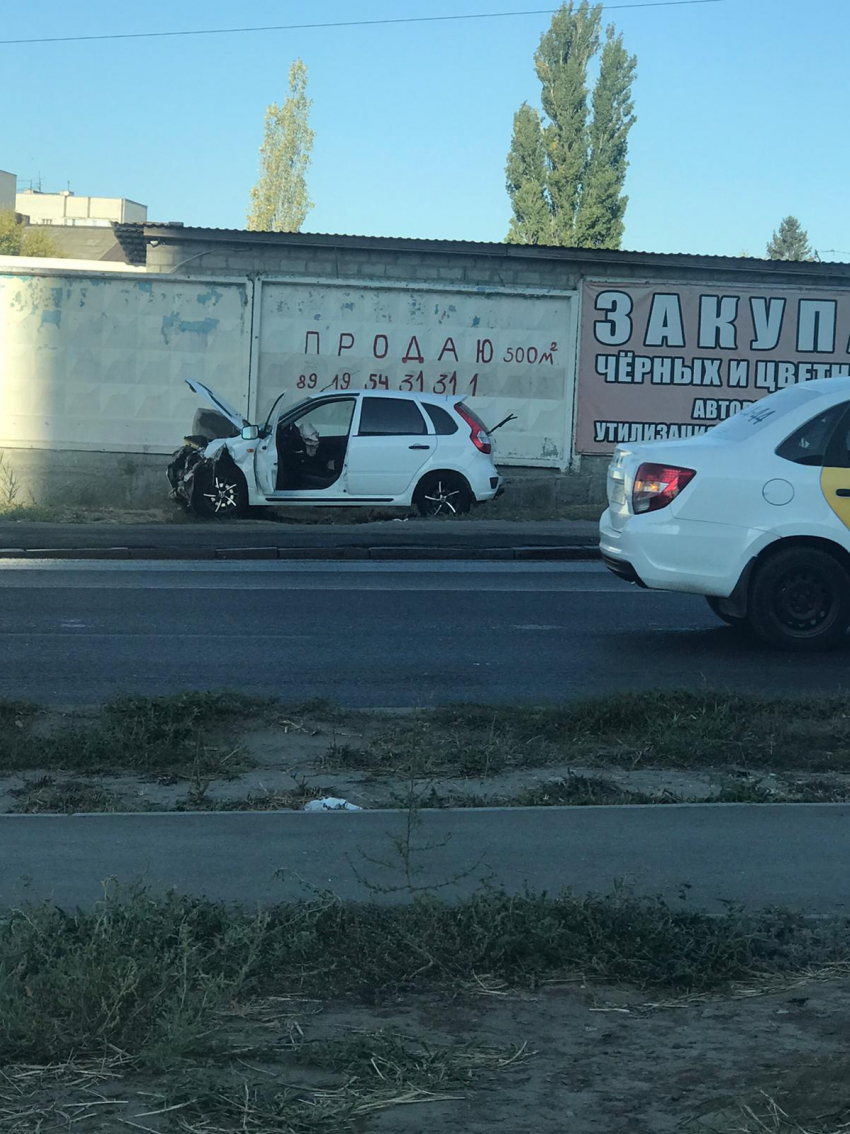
(259, 539)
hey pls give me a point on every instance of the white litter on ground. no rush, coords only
(331, 803)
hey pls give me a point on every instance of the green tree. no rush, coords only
(37, 242)
(11, 237)
(584, 157)
(279, 200)
(561, 63)
(18, 240)
(790, 242)
(599, 222)
(526, 173)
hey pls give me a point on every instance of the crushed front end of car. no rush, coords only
(190, 459)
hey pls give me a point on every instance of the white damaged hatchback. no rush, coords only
(343, 449)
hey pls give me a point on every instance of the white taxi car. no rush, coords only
(342, 449)
(754, 514)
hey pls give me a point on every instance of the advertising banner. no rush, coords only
(663, 361)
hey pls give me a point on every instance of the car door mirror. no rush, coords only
(250, 432)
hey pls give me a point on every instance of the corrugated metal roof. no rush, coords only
(135, 236)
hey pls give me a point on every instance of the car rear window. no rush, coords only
(444, 423)
(765, 412)
(383, 416)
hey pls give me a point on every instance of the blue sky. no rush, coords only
(742, 114)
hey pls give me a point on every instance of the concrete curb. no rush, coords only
(563, 552)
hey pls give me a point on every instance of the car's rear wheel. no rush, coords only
(443, 494)
(220, 491)
(716, 605)
(800, 600)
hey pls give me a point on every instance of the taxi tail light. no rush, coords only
(657, 485)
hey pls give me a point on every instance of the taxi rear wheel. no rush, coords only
(800, 600)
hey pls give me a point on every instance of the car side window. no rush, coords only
(808, 445)
(381, 417)
(329, 419)
(444, 424)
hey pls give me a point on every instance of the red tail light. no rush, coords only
(478, 431)
(657, 485)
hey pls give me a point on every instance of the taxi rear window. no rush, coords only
(808, 444)
(765, 412)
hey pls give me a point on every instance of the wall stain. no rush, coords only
(173, 324)
(212, 296)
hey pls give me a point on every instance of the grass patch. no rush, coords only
(571, 791)
(35, 512)
(16, 715)
(401, 1061)
(365, 1072)
(201, 733)
(583, 791)
(763, 1116)
(188, 1013)
(47, 796)
(294, 800)
(666, 730)
(144, 974)
(180, 734)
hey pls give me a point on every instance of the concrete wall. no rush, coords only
(99, 362)
(508, 353)
(8, 184)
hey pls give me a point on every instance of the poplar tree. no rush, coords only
(280, 201)
(584, 155)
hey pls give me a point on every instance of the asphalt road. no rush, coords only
(794, 855)
(203, 535)
(369, 634)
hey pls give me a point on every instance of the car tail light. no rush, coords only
(477, 429)
(657, 485)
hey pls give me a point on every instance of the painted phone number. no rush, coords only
(415, 382)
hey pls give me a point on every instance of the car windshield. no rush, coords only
(285, 413)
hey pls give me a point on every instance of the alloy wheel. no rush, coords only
(224, 496)
(441, 501)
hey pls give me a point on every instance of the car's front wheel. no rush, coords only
(220, 490)
(800, 600)
(442, 494)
